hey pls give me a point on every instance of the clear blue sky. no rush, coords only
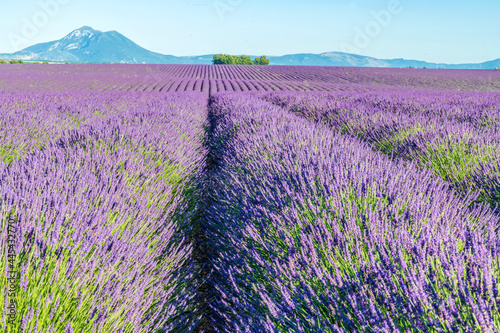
(450, 31)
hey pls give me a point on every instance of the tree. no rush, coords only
(223, 59)
(261, 61)
(244, 60)
(3, 62)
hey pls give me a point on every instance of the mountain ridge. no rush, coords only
(87, 45)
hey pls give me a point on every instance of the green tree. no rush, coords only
(261, 61)
(244, 60)
(3, 61)
(224, 59)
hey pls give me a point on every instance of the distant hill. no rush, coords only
(354, 60)
(86, 45)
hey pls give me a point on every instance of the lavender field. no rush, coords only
(217, 78)
(192, 198)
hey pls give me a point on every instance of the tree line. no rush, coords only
(11, 62)
(226, 59)
(21, 62)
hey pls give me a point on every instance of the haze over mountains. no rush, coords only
(88, 45)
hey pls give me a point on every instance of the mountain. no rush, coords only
(92, 46)
(354, 60)
(89, 45)
(484, 65)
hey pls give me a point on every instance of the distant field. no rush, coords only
(211, 79)
(189, 198)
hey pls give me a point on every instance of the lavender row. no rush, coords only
(315, 232)
(454, 134)
(101, 214)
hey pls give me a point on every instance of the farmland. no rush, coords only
(189, 198)
(211, 79)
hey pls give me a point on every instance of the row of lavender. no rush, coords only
(98, 187)
(457, 135)
(315, 232)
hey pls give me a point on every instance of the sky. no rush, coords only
(443, 31)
